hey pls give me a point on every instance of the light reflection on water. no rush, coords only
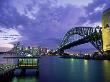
(106, 66)
(25, 79)
(54, 69)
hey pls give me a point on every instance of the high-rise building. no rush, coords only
(34, 51)
(39, 50)
(44, 50)
(106, 30)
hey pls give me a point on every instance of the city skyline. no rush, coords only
(44, 23)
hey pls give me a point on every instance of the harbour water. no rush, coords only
(55, 69)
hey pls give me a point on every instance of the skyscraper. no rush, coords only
(106, 30)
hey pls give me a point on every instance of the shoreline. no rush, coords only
(87, 58)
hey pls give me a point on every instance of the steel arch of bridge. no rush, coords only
(90, 34)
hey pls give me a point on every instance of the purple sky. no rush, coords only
(44, 22)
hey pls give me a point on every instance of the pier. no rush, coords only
(23, 63)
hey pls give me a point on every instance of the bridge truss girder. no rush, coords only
(89, 34)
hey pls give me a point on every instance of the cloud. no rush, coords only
(44, 22)
(93, 12)
(9, 35)
(1, 31)
(40, 26)
(78, 3)
(26, 8)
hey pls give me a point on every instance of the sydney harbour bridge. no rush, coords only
(97, 36)
(87, 34)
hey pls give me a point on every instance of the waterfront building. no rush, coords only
(34, 51)
(106, 30)
(44, 50)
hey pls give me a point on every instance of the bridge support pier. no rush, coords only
(60, 52)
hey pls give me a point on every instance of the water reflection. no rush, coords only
(86, 72)
(72, 60)
(106, 70)
(54, 69)
(25, 79)
(29, 75)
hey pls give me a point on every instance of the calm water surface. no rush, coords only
(54, 69)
